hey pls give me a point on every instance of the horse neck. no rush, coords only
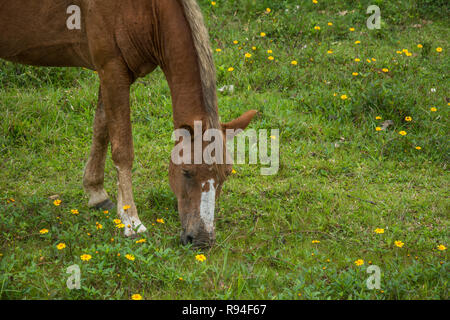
(180, 63)
(161, 35)
(184, 79)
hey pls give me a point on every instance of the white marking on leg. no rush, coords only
(131, 224)
(207, 205)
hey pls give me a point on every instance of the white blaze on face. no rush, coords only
(207, 204)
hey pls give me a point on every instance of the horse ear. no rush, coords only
(238, 124)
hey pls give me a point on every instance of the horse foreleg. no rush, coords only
(94, 172)
(115, 83)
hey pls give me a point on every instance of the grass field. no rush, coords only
(307, 232)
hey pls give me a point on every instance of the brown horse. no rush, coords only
(124, 40)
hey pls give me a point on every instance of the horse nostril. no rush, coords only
(187, 239)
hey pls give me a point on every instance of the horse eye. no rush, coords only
(187, 173)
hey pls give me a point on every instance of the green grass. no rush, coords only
(339, 178)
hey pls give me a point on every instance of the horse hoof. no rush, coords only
(105, 205)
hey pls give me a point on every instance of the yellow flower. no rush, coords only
(230, 69)
(419, 46)
(330, 24)
(248, 55)
(268, 10)
(398, 243)
(218, 50)
(57, 202)
(373, 59)
(378, 118)
(262, 34)
(344, 97)
(253, 48)
(315, 1)
(439, 49)
(180, 278)
(86, 257)
(233, 171)
(43, 231)
(357, 60)
(351, 29)
(316, 28)
(200, 257)
(160, 220)
(269, 51)
(385, 70)
(235, 42)
(106, 212)
(359, 262)
(74, 211)
(98, 226)
(126, 207)
(120, 225)
(402, 133)
(117, 221)
(141, 241)
(355, 74)
(399, 52)
(368, 61)
(137, 296)
(408, 119)
(441, 247)
(408, 54)
(433, 109)
(378, 129)
(271, 58)
(418, 148)
(315, 241)
(379, 230)
(357, 42)
(130, 257)
(60, 246)
(294, 63)
(330, 51)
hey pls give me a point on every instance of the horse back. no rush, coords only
(37, 33)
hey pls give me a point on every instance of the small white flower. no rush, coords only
(433, 89)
